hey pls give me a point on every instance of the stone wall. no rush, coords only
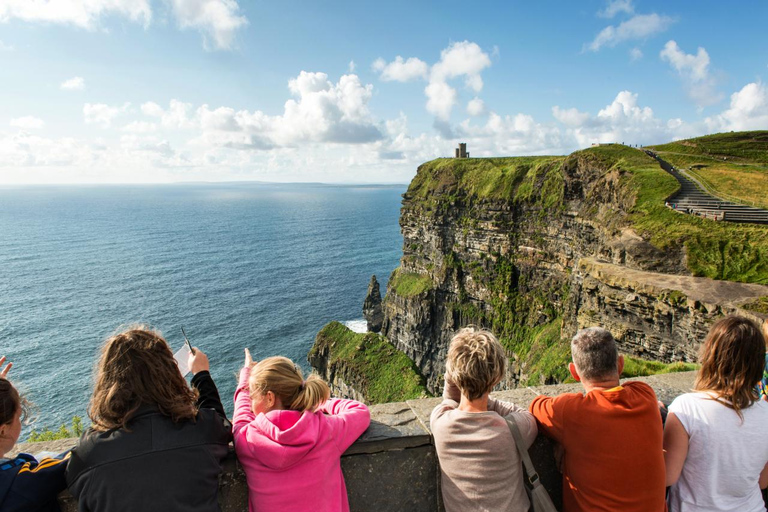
(393, 466)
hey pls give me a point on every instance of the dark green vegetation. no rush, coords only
(636, 367)
(444, 180)
(408, 284)
(733, 165)
(758, 306)
(718, 250)
(372, 366)
(63, 432)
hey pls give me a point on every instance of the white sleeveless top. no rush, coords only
(725, 456)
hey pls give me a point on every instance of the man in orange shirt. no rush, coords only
(611, 435)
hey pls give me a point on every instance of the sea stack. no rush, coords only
(372, 306)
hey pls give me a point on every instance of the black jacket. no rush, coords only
(154, 464)
(27, 485)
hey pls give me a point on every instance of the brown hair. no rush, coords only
(594, 353)
(476, 362)
(732, 360)
(280, 376)
(10, 402)
(136, 368)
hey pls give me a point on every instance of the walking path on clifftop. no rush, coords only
(693, 200)
(702, 289)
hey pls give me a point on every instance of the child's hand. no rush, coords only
(4, 371)
(198, 361)
(248, 359)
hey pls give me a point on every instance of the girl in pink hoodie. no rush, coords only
(289, 437)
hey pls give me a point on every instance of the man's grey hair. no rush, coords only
(594, 353)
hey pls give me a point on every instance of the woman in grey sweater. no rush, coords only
(479, 462)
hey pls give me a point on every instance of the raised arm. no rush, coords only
(549, 415)
(243, 414)
(203, 382)
(351, 418)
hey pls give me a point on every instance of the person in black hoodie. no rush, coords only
(154, 443)
(25, 484)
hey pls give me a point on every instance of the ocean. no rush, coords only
(255, 265)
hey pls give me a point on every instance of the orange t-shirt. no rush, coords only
(613, 448)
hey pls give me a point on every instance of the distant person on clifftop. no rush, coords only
(25, 483)
(289, 437)
(715, 443)
(611, 435)
(479, 463)
(154, 444)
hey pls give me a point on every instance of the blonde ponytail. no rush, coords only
(315, 391)
(281, 376)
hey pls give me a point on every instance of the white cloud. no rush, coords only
(352, 66)
(694, 70)
(320, 111)
(73, 84)
(140, 127)
(461, 59)
(476, 107)
(614, 7)
(84, 14)
(27, 123)
(748, 110)
(101, 114)
(400, 70)
(441, 98)
(217, 20)
(465, 59)
(569, 116)
(640, 26)
(6, 47)
(635, 53)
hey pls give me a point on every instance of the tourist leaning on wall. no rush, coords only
(714, 438)
(611, 435)
(479, 463)
(155, 444)
(289, 437)
(25, 483)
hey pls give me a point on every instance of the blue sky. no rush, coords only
(116, 91)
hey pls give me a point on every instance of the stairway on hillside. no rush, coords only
(692, 199)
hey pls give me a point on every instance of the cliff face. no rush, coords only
(513, 258)
(536, 248)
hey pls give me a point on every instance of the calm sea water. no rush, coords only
(263, 266)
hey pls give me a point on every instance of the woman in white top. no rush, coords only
(714, 439)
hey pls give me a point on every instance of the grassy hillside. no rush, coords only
(735, 165)
(718, 250)
(372, 366)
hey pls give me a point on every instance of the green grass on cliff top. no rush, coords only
(379, 371)
(734, 165)
(493, 178)
(409, 284)
(636, 367)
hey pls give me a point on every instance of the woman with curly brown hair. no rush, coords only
(716, 451)
(155, 444)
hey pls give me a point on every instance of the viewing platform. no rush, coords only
(393, 466)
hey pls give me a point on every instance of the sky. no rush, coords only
(159, 91)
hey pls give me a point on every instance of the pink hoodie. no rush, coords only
(292, 459)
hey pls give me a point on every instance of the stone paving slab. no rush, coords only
(422, 408)
(393, 426)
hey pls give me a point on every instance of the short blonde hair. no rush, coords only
(282, 377)
(476, 362)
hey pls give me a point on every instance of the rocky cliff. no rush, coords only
(535, 248)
